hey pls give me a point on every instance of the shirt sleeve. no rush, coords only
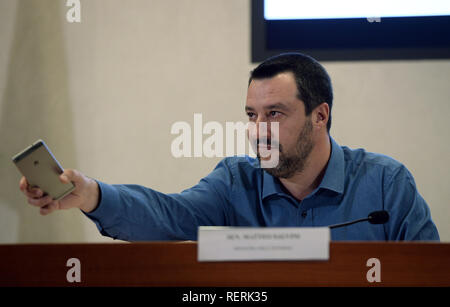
(410, 217)
(137, 213)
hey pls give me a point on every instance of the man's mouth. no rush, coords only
(264, 146)
(266, 149)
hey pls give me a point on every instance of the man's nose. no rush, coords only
(263, 130)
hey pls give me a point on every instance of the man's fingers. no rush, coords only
(70, 175)
(31, 192)
(23, 184)
(38, 198)
(47, 209)
(64, 179)
(40, 202)
(34, 193)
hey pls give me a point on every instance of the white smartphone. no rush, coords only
(42, 170)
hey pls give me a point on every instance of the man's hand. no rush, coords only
(84, 196)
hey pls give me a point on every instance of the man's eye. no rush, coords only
(250, 115)
(274, 113)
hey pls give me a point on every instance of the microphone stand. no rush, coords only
(348, 223)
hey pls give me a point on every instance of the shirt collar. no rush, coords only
(332, 180)
(334, 177)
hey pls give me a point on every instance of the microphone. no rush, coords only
(376, 217)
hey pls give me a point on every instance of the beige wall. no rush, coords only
(104, 93)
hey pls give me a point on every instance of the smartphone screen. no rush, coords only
(42, 170)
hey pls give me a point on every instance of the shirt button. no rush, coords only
(304, 214)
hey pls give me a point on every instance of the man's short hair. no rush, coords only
(313, 82)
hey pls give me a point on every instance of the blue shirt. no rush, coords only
(239, 193)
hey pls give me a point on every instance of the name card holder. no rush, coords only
(263, 244)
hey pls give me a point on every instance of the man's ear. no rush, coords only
(321, 114)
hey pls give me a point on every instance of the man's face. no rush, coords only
(275, 100)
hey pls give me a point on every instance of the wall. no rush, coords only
(105, 92)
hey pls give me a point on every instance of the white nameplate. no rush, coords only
(253, 244)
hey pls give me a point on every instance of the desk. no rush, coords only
(167, 264)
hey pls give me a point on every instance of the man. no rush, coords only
(315, 183)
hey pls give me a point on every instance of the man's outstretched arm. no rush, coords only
(134, 213)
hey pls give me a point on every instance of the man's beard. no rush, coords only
(291, 163)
